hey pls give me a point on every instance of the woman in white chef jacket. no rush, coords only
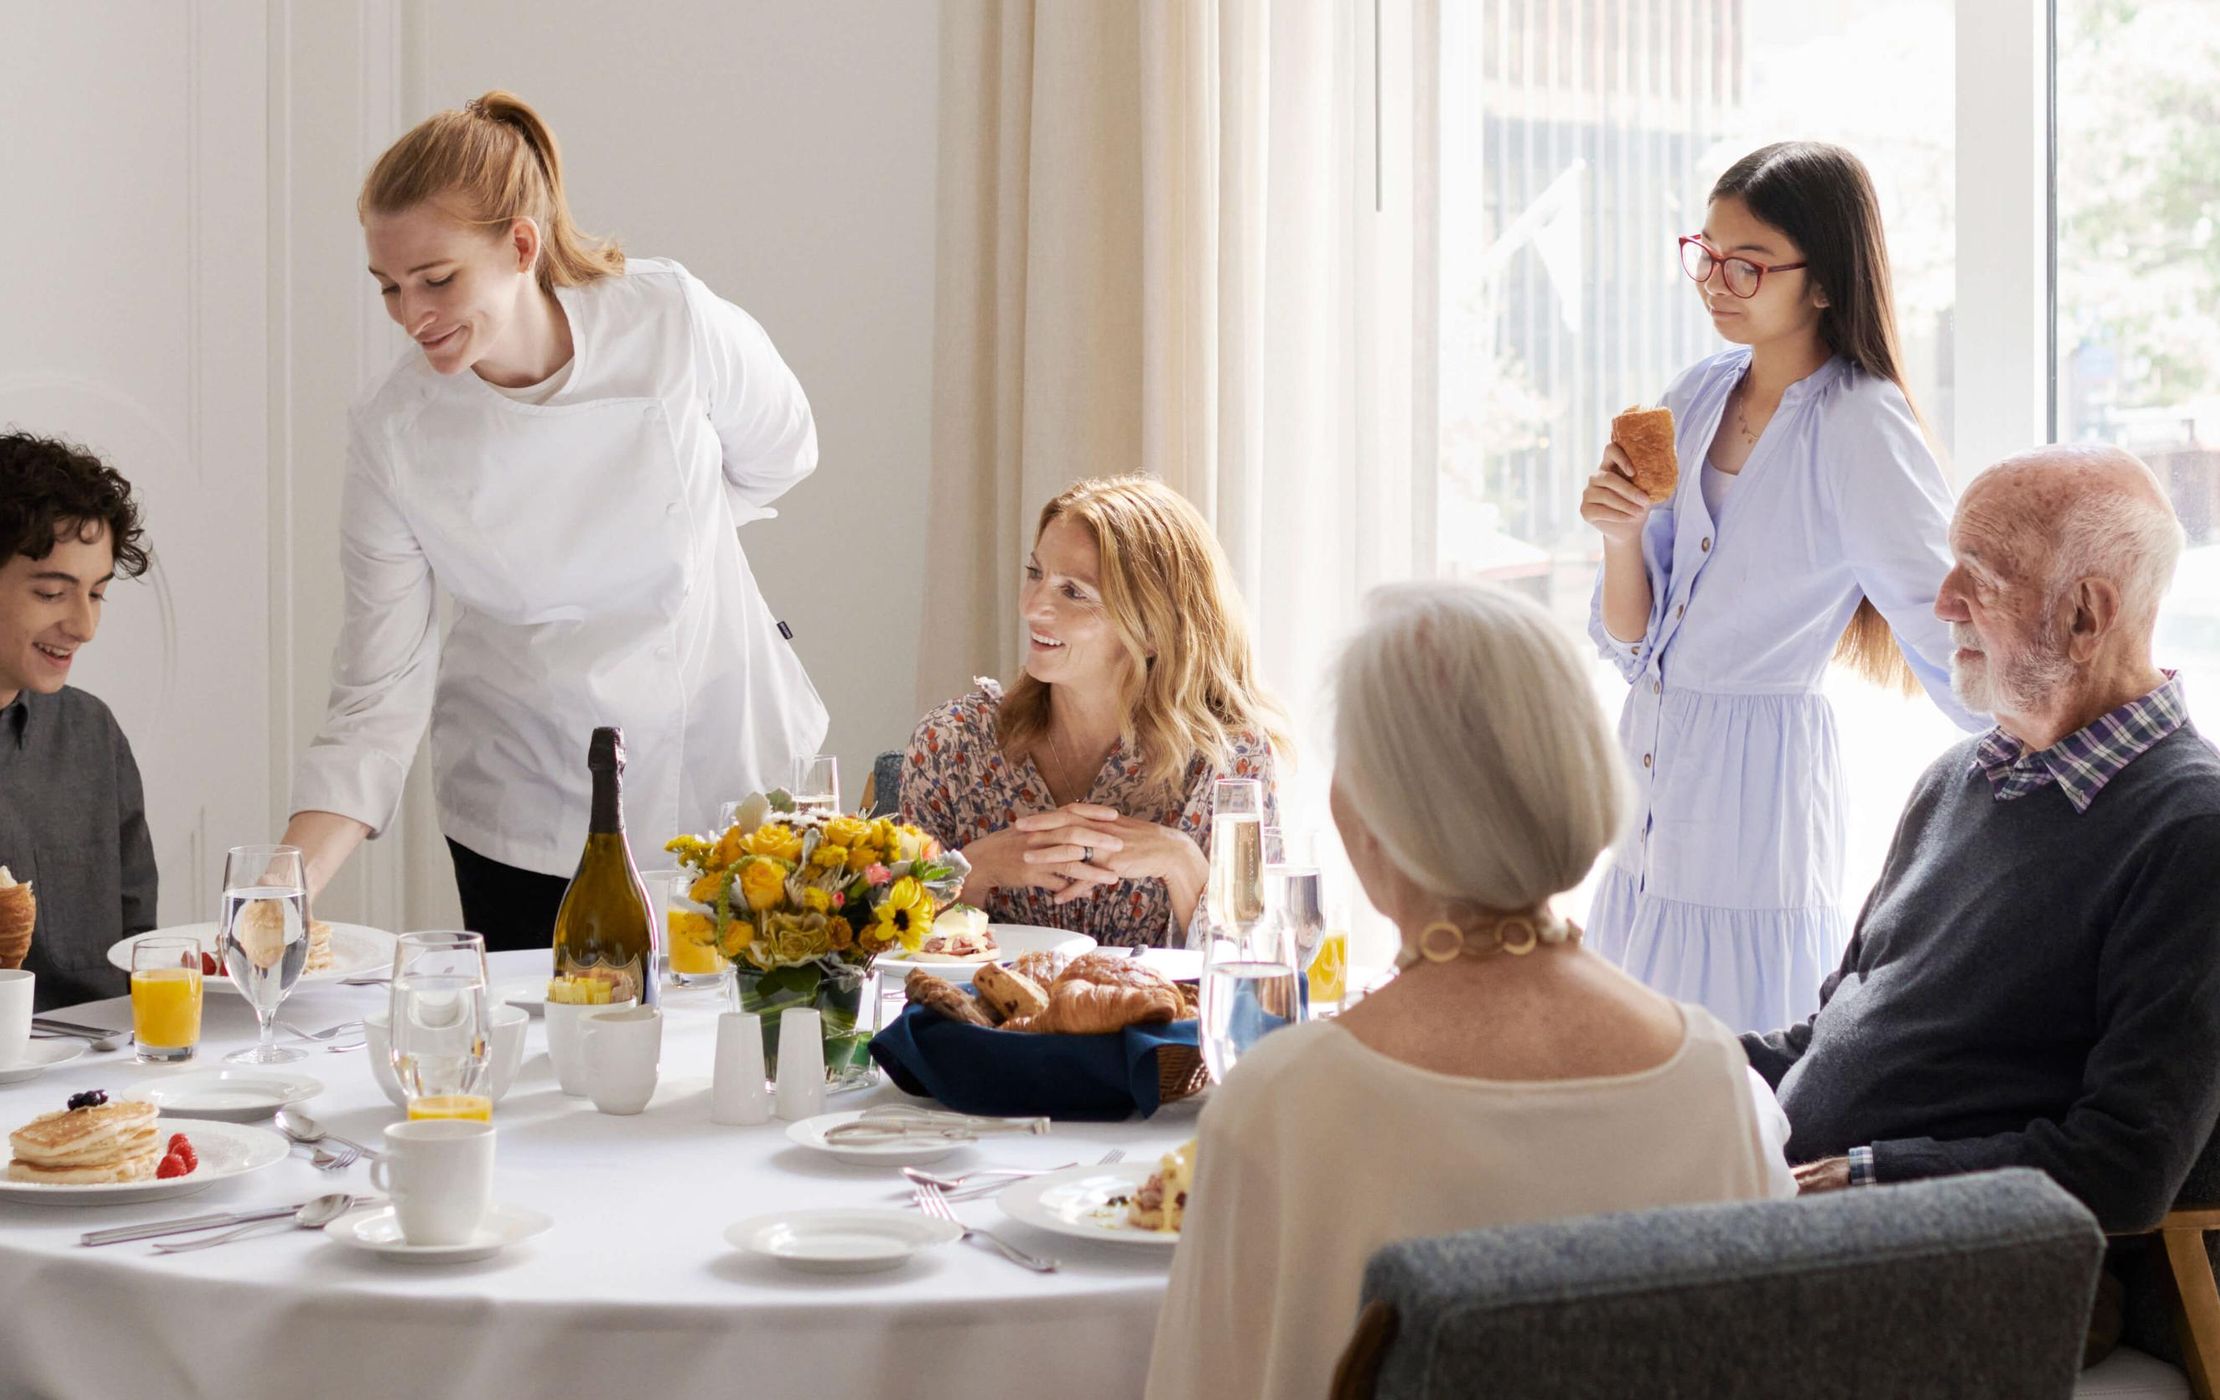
(566, 453)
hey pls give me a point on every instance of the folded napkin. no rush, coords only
(1005, 1074)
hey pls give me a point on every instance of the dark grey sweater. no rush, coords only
(2028, 986)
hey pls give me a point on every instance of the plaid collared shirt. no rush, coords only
(2085, 760)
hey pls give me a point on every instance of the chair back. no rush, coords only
(1975, 1285)
(882, 795)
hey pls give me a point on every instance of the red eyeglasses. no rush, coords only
(1742, 276)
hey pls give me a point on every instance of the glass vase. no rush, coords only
(845, 1008)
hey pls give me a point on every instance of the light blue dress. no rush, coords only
(1727, 890)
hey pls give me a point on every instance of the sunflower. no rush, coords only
(905, 914)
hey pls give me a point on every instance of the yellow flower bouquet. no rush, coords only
(801, 904)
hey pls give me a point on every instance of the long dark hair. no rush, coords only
(1822, 198)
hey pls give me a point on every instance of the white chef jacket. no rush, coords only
(588, 546)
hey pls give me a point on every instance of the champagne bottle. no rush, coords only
(606, 928)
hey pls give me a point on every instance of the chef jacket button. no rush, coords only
(1645, 760)
(1706, 545)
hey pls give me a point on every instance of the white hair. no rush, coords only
(1470, 743)
(2128, 537)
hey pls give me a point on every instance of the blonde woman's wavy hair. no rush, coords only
(1168, 591)
(492, 161)
(1469, 742)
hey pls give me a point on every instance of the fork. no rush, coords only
(988, 1188)
(345, 1030)
(934, 1206)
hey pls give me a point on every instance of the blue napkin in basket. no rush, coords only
(1013, 1074)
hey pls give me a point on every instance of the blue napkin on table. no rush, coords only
(1014, 1074)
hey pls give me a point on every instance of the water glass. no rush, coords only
(165, 999)
(816, 785)
(264, 925)
(442, 1025)
(1251, 987)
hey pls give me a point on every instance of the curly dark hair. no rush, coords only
(47, 485)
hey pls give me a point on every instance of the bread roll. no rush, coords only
(1645, 435)
(1007, 993)
(1101, 993)
(939, 994)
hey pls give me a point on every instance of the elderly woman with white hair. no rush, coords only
(1518, 1076)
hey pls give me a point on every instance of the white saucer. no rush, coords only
(810, 1133)
(242, 1095)
(40, 1056)
(376, 1231)
(841, 1241)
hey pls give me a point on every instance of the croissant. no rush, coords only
(19, 911)
(1100, 993)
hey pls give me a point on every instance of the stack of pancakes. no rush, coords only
(319, 947)
(114, 1141)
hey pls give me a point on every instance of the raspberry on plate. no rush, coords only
(172, 1165)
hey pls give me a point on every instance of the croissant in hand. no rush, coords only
(1101, 993)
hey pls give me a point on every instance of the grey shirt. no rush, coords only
(73, 823)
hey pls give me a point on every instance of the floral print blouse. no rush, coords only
(958, 785)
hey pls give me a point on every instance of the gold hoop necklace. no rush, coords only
(1517, 935)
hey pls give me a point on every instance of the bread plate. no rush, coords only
(355, 950)
(1086, 1203)
(1011, 941)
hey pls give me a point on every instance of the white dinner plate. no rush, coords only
(241, 1095)
(841, 1241)
(1086, 1203)
(810, 1133)
(39, 1056)
(355, 949)
(377, 1231)
(1011, 940)
(226, 1150)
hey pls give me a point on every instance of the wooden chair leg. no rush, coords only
(1358, 1371)
(870, 793)
(2196, 1305)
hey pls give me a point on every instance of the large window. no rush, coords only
(1577, 140)
(2138, 289)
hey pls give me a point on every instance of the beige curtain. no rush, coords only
(1165, 247)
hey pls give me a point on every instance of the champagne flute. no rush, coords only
(264, 925)
(816, 785)
(1235, 894)
(442, 1025)
(1251, 982)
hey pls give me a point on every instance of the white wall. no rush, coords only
(200, 312)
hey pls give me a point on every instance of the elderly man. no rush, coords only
(2035, 979)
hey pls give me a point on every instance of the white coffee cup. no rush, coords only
(439, 1173)
(564, 1020)
(509, 1023)
(621, 1050)
(16, 989)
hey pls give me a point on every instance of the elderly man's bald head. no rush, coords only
(2059, 514)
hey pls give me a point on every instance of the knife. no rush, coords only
(122, 1234)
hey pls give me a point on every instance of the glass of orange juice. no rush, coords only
(165, 998)
(690, 931)
(442, 1025)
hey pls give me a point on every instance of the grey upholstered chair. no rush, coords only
(1976, 1286)
(882, 791)
(2173, 1305)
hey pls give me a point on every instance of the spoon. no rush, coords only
(314, 1215)
(301, 1128)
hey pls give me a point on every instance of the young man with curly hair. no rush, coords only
(72, 817)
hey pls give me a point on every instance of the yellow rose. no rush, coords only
(737, 936)
(705, 890)
(817, 901)
(762, 883)
(728, 849)
(776, 839)
(847, 831)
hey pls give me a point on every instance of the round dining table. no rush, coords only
(633, 1292)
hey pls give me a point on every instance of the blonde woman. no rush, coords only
(565, 452)
(1081, 796)
(1507, 1075)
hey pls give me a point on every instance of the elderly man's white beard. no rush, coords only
(2022, 685)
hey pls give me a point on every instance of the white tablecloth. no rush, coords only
(633, 1293)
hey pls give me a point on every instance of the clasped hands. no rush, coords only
(1077, 849)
